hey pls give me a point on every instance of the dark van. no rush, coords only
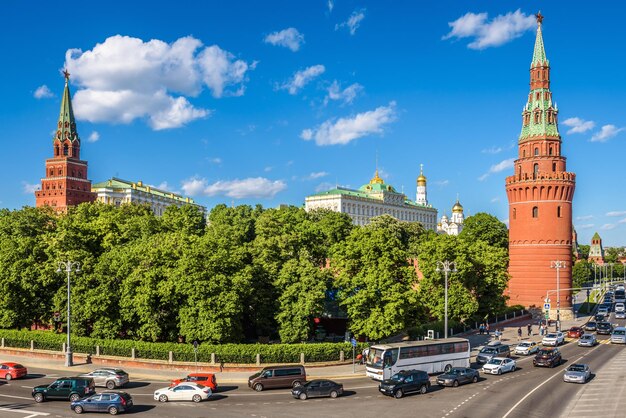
(66, 388)
(278, 377)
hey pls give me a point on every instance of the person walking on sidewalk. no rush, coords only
(530, 329)
(487, 328)
(519, 333)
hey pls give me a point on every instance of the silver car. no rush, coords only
(526, 348)
(577, 373)
(108, 377)
(587, 340)
(618, 336)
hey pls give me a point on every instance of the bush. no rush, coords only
(227, 353)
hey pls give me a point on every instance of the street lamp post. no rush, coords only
(558, 265)
(447, 267)
(68, 267)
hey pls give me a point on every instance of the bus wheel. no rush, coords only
(447, 368)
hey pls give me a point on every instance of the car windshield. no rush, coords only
(586, 337)
(619, 332)
(18, 366)
(456, 371)
(495, 361)
(576, 368)
(545, 352)
(398, 377)
(551, 336)
(525, 344)
(488, 350)
(591, 324)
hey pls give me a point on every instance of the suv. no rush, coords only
(549, 357)
(604, 328)
(277, 377)
(405, 381)
(603, 310)
(72, 388)
(108, 377)
(205, 379)
(491, 350)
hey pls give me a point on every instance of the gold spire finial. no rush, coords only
(539, 17)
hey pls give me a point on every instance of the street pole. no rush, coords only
(447, 267)
(558, 265)
(67, 266)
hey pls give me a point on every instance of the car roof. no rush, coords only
(200, 374)
(283, 367)
(619, 329)
(494, 343)
(498, 358)
(10, 363)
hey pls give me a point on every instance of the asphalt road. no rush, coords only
(527, 392)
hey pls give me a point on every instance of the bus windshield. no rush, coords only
(375, 358)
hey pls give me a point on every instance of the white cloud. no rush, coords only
(606, 132)
(322, 187)
(578, 125)
(30, 188)
(495, 199)
(43, 92)
(585, 226)
(608, 227)
(442, 183)
(492, 150)
(215, 160)
(345, 130)
(316, 175)
(331, 4)
(496, 32)
(584, 217)
(125, 78)
(616, 213)
(253, 187)
(353, 22)
(93, 137)
(346, 95)
(268, 169)
(496, 168)
(289, 38)
(622, 221)
(302, 78)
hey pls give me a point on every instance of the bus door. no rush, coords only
(389, 359)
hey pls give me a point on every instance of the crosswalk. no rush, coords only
(605, 341)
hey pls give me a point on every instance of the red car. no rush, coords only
(206, 379)
(575, 332)
(12, 370)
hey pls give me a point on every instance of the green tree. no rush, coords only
(487, 228)
(584, 251)
(581, 273)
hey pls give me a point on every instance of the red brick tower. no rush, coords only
(540, 199)
(66, 181)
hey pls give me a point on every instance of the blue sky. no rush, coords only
(267, 102)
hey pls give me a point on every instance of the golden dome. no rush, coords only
(457, 208)
(421, 180)
(376, 179)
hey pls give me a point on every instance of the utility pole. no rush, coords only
(68, 267)
(447, 267)
(558, 265)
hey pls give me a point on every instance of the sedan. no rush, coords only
(599, 317)
(575, 332)
(457, 376)
(108, 377)
(620, 315)
(554, 339)
(587, 340)
(526, 348)
(499, 365)
(577, 373)
(317, 388)
(591, 326)
(604, 328)
(183, 392)
(111, 402)
(12, 370)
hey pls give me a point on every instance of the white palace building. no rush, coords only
(374, 199)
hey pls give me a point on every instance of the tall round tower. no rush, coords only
(540, 197)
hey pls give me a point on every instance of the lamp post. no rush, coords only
(447, 267)
(68, 267)
(558, 265)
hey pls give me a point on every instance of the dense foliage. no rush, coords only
(245, 273)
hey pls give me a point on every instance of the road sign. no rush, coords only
(353, 342)
(547, 315)
(546, 306)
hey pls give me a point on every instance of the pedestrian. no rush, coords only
(481, 328)
(530, 329)
(487, 328)
(541, 330)
(221, 366)
(519, 333)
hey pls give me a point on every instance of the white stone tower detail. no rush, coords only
(421, 188)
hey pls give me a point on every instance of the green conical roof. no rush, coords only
(596, 236)
(66, 126)
(539, 54)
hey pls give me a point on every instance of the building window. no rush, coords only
(65, 150)
(514, 213)
(523, 153)
(535, 170)
(536, 151)
(535, 212)
(551, 151)
(553, 166)
(51, 172)
(558, 212)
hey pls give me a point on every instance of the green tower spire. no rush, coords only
(66, 126)
(539, 54)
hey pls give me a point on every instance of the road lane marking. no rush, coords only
(15, 397)
(26, 411)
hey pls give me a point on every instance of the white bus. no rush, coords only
(431, 356)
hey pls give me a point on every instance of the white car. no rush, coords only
(499, 365)
(185, 391)
(620, 315)
(619, 307)
(554, 339)
(526, 348)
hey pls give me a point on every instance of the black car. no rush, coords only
(599, 317)
(458, 376)
(68, 388)
(548, 357)
(109, 401)
(590, 326)
(604, 328)
(405, 382)
(317, 388)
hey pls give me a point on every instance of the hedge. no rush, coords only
(226, 353)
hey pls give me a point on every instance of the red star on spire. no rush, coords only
(539, 17)
(66, 74)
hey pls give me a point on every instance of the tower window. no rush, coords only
(51, 172)
(65, 149)
(514, 213)
(535, 170)
(536, 151)
(553, 166)
(523, 153)
(558, 212)
(535, 212)
(551, 151)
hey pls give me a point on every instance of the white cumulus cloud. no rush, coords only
(346, 95)
(496, 168)
(252, 187)
(492, 150)
(353, 22)
(578, 125)
(289, 38)
(345, 130)
(608, 227)
(43, 92)
(316, 175)
(302, 78)
(29, 188)
(93, 137)
(585, 226)
(490, 33)
(616, 213)
(606, 132)
(584, 217)
(622, 221)
(125, 78)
